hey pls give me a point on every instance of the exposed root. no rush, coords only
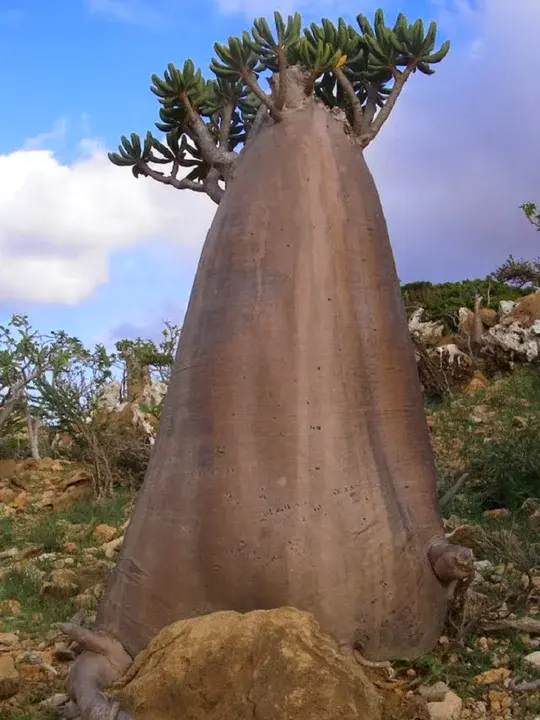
(450, 562)
(524, 686)
(361, 660)
(525, 625)
(102, 662)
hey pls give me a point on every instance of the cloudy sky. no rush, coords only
(87, 248)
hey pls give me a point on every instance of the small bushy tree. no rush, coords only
(532, 214)
(519, 273)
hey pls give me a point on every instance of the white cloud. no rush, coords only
(59, 224)
(256, 8)
(57, 133)
(133, 12)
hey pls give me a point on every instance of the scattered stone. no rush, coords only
(470, 536)
(9, 677)
(55, 702)
(534, 520)
(520, 422)
(6, 495)
(20, 501)
(495, 675)
(105, 533)
(112, 547)
(497, 513)
(9, 640)
(533, 659)
(480, 414)
(434, 693)
(74, 493)
(61, 584)
(10, 607)
(447, 709)
(85, 600)
(17, 554)
(498, 701)
(477, 382)
(33, 673)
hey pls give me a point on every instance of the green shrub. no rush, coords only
(503, 459)
(443, 300)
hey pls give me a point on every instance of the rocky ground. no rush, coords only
(57, 546)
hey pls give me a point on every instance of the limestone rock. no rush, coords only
(434, 693)
(477, 382)
(9, 677)
(105, 533)
(61, 584)
(527, 309)
(9, 640)
(495, 675)
(7, 495)
(533, 659)
(227, 666)
(447, 709)
(470, 536)
(489, 317)
(112, 547)
(429, 333)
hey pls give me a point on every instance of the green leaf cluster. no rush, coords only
(370, 57)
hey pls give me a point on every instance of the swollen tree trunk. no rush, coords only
(293, 464)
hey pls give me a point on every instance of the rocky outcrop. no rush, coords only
(494, 340)
(266, 664)
(141, 412)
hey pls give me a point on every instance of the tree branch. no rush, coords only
(183, 184)
(260, 119)
(370, 108)
(15, 393)
(256, 89)
(212, 187)
(400, 78)
(354, 102)
(209, 185)
(225, 126)
(217, 157)
(282, 89)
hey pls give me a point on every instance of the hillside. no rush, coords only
(91, 435)
(58, 545)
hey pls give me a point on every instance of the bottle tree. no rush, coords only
(293, 464)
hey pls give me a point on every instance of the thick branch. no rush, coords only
(183, 184)
(225, 127)
(259, 121)
(208, 186)
(217, 157)
(282, 89)
(256, 89)
(370, 108)
(212, 187)
(400, 78)
(354, 102)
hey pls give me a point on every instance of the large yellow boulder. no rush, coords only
(266, 664)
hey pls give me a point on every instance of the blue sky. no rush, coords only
(87, 248)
